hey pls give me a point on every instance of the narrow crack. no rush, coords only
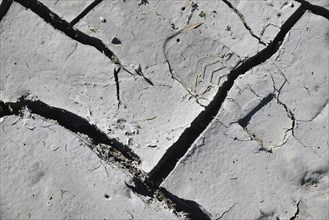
(175, 152)
(58, 23)
(222, 215)
(236, 11)
(195, 96)
(322, 108)
(310, 147)
(315, 9)
(297, 212)
(69, 120)
(138, 71)
(290, 115)
(4, 7)
(117, 83)
(74, 49)
(173, 75)
(85, 12)
(194, 6)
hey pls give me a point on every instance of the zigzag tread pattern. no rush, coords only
(208, 65)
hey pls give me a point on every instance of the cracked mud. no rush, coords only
(164, 109)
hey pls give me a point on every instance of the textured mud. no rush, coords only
(164, 109)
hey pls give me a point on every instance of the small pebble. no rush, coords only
(116, 40)
(102, 19)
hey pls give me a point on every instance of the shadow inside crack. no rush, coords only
(194, 209)
(147, 189)
(140, 188)
(4, 7)
(68, 120)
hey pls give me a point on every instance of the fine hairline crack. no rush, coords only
(236, 11)
(228, 210)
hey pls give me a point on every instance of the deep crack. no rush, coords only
(194, 210)
(315, 9)
(67, 119)
(4, 7)
(146, 189)
(62, 25)
(119, 154)
(85, 12)
(174, 153)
